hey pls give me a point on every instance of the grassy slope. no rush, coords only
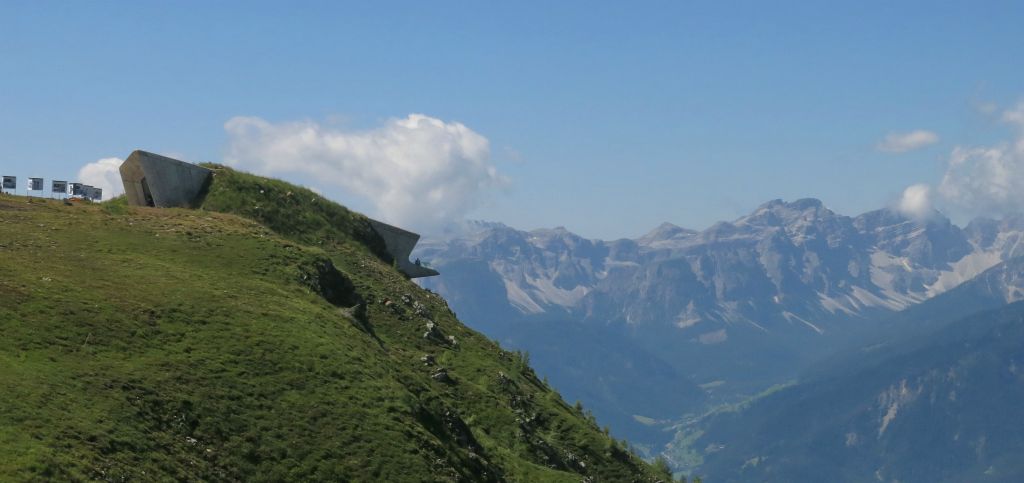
(151, 344)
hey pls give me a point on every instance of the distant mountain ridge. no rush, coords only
(784, 264)
(727, 311)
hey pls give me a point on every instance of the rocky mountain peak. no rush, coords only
(778, 213)
(796, 262)
(665, 235)
(934, 242)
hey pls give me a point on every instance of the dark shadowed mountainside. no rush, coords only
(940, 403)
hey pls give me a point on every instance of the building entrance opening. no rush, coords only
(146, 194)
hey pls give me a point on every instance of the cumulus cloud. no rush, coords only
(903, 142)
(979, 180)
(1015, 116)
(988, 179)
(985, 107)
(916, 201)
(103, 174)
(417, 171)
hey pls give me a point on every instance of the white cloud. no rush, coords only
(903, 142)
(1015, 116)
(981, 180)
(916, 201)
(988, 179)
(417, 171)
(103, 174)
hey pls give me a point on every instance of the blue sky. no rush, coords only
(607, 118)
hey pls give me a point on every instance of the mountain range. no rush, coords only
(943, 404)
(662, 328)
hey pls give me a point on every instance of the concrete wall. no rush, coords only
(172, 183)
(400, 243)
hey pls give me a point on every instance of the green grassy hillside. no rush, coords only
(265, 337)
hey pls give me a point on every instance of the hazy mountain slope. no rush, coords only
(625, 385)
(150, 344)
(939, 406)
(998, 286)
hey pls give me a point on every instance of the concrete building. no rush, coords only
(153, 180)
(399, 244)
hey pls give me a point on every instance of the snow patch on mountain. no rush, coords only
(791, 316)
(892, 400)
(963, 270)
(714, 337)
(520, 299)
(549, 294)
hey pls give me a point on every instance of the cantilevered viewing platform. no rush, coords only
(400, 244)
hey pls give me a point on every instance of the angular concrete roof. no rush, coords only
(399, 244)
(153, 180)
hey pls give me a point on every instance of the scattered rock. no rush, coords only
(441, 375)
(432, 332)
(574, 461)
